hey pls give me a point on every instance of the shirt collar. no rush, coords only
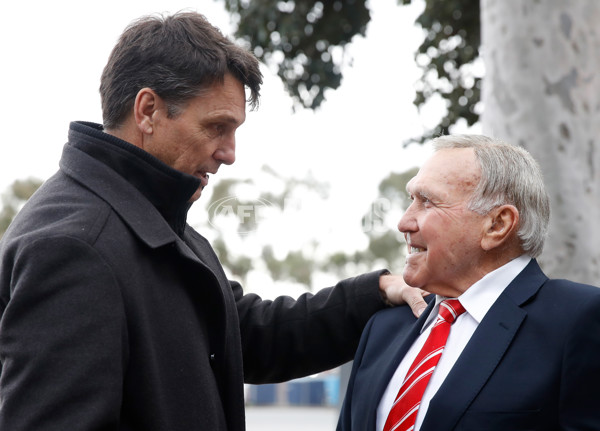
(480, 297)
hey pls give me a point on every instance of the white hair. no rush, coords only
(509, 175)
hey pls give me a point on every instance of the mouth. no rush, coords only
(203, 176)
(412, 249)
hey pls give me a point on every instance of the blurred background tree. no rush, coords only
(305, 42)
(14, 198)
(540, 86)
(237, 209)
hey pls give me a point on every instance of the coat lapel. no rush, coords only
(404, 337)
(484, 352)
(475, 365)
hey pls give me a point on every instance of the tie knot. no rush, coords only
(450, 309)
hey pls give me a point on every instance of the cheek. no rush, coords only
(446, 248)
(192, 152)
(440, 232)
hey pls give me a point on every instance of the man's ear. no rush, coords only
(145, 106)
(500, 226)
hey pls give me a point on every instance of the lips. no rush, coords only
(413, 248)
(203, 176)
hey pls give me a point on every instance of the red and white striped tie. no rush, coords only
(404, 411)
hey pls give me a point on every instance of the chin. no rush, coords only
(196, 195)
(412, 281)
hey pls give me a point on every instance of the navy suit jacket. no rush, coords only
(533, 363)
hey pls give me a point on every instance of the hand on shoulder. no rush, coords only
(396, 292)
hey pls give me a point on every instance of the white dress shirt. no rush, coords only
(476, 300)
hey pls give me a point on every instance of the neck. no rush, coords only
(126, 133)
(489, 262)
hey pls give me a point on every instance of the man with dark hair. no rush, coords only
(117, 315)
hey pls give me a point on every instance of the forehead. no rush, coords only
(221, 99)
(448, 170)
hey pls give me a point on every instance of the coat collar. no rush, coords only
(119, 172)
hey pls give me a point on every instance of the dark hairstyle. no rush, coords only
(176, 56)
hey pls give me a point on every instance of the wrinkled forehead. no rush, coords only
(451, 169)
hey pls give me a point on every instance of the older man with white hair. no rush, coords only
(509, 349)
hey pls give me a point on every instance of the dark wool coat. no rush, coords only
(117, 315)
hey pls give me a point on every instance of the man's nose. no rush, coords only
(226, 152)
(407, 222)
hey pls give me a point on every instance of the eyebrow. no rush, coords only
(423, 194)
(232, 119)
(225, 117)
(228, 119)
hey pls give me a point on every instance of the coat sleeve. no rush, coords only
(580, 380)
(286, 338)
(61, 339)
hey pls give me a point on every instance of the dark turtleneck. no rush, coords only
(167, 189)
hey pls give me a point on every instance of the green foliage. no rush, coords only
(291, 198)
(387, 247)
(393, 187)
(238, 265)
(303, 38)
(446, 57)
(13, 199)
(232, 209)
(385, 242)
(295, 266)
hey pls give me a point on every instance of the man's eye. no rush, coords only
(426, 201)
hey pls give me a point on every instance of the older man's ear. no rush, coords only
(500, 228)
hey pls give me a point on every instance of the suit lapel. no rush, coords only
(387, 363)
(480, 357)
(484, 351)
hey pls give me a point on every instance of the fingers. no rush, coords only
(414, 298)
(397, 292)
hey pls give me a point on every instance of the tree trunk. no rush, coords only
(542, 91)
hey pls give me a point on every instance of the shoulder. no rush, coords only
(391, 322)
(565, 305)
(569, 293)
(61, 207)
